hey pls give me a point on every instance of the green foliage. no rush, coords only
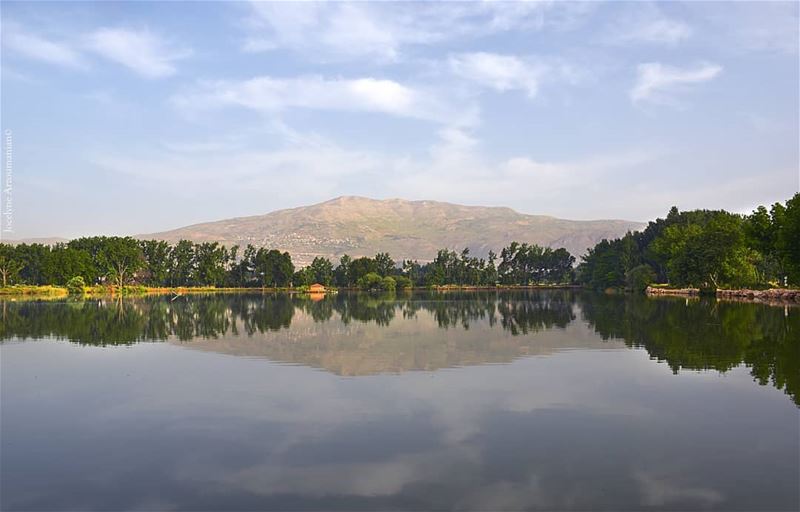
(359, 268)
(210, 260)
(710, 255)
(384, 264)
(533, 264)
(76, 286)
(520, 264)
(788, 239)
(121, 258)
(341, 275)
(703, 248)
(372, 282)
(157, 262)
(321, 270)
(274, 268)
(388, 284)
(639, 278)
(10, 264)
(182, 262)
(403, 282)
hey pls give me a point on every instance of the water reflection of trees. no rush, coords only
(109, 322)
(121, 322)
(705, 334)
(696, 335)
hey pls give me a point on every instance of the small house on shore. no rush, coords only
(316, 288)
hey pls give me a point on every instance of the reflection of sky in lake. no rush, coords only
(155, 426)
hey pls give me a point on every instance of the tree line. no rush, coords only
(121, 261)
(707, 249)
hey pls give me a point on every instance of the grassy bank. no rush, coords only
(32, 290)
(61, 291)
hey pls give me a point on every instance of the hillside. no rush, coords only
(406, 229)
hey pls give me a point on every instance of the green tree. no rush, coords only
(34, 259)
(182, 263)
(274, 267)
(490, 270)
(66, 262)
(384, 264)
(639, 277)
(121, 258)
(156, 262)
(210, 258)
(403, 282)
(360, 267)
(413, 271)
(10, 265)
(373, 282)
(712, 255)
(76, 286)
(388, 284)
(321, 271)
(342, 273)
(788, 238)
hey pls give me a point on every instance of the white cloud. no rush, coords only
(455, 169)
(499, 72)
(514, 73)
(39, 48)
(341, 30)
(269, 95)
(142, 51)
(657, 83)
(338, 29)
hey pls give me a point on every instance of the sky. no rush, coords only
(138, 117)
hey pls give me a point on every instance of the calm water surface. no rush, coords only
(477, 401)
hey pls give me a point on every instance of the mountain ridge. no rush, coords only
(361, 226)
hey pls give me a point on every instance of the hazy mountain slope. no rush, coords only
(406, 229)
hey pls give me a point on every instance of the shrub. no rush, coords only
(372, 282)
(76, 286)
(388, 284)
(403, 282)
(639, 278)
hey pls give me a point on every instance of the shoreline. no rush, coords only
(777, 296)
(57, 291)
(769, 296)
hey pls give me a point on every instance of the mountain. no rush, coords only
(360, 226)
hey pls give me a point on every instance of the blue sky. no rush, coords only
(139, 117)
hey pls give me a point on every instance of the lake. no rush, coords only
(529, 400)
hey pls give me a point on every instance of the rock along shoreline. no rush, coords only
(772, 295)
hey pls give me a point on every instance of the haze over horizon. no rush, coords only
(131, 118)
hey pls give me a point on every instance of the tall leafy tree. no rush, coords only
(788, 238)
(321, 271)
(341, 274)
(156, 262)
(274, 267)
(210, 258)
(182, 263)
(121, 257)
(384, 264)
(360, 267)
(10, 264)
